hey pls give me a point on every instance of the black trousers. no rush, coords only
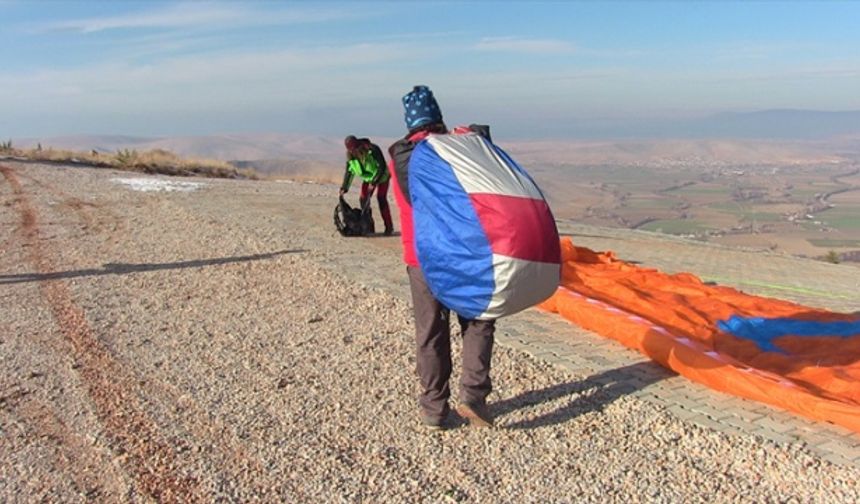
(433, 351)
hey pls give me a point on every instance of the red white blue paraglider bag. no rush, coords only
(484, 234)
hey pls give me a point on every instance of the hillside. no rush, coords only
(268, 149)
(212, 339)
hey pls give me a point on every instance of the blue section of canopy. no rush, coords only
(762, 331)
(453, 249)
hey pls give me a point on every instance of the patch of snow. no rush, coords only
(157, 184)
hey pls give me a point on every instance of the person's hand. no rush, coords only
(342, 191)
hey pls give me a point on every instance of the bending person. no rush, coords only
(365, 159)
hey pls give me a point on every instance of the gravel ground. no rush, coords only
(219, 344)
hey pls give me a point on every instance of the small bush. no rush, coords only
(833, 257)
(126, 158)
(6, 146)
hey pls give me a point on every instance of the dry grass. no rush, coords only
(152, 161)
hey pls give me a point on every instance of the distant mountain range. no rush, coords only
(760, 125)
(772, 136)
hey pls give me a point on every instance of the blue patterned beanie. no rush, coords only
(420, 108)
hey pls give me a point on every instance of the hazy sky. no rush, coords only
(529, 69)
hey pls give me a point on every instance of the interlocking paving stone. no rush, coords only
(734, 421)
(732, 430)
(749, 414)
(849, 452)
(776, 436)
(775, 425)
(638, 381)
(839, 430)
(709, 411)
(644, 395)
(697, 392)
(704, 421)
(837, 459)
(681, 412)
(602, 361)
(728, 401)
(512, 343)
(552, 359)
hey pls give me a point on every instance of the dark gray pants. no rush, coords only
(433, 342)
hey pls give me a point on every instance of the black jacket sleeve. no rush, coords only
(380, 161)
(400, 152)
(347, 179)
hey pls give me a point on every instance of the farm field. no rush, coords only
(810, 210)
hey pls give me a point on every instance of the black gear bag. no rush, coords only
(353, 221)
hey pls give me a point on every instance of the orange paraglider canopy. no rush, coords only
(802, 359)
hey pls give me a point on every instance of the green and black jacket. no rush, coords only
(369, 166)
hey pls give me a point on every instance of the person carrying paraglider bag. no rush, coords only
(478, 240)
(366, 160)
